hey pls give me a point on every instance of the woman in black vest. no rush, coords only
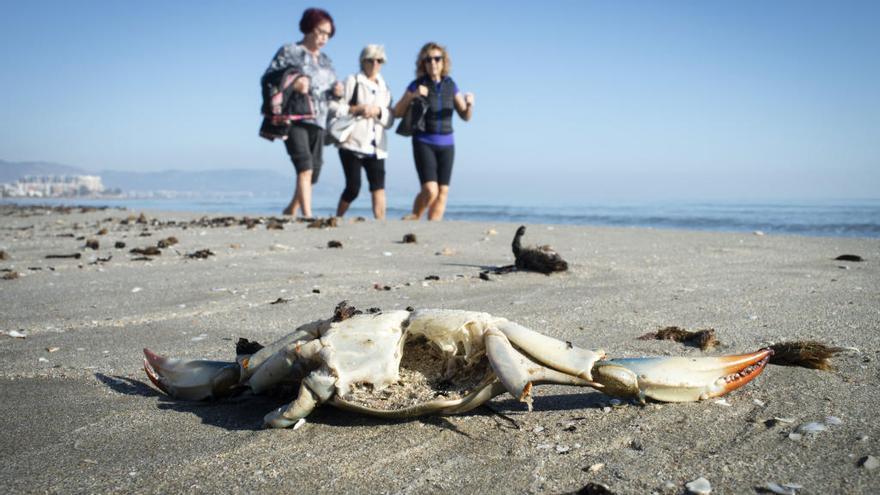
(434, 148)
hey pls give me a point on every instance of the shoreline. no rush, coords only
(91, 419)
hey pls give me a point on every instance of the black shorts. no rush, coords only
(305, 145)
(433, 163)
(351, 165)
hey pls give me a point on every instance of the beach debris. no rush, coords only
(10, 275)
(432, 277)
(119, 245)
(811, 428)
(699, 486)
(200, 254)
(541, 259)
(869, 462)
(15, 334)
(53, 349)
(400, 364)
(704, 339)
(723, 402)
(783, 488)
(378, 286)
(299, 424)
(595, 468)
(484, 275)
(147, 251)
(142, 258)
(833, 421)
(92, 244)
(103, 231)
(409, 239)
(807, 354)
(849, 257)
(446, 251)
(274, 224)
(145, 234)
(280, 247)
(280, 300)
(491, 232)
(323, 223)
(758, 233)
(101, 260)
(135, 290)
(4, 255)
(164, 243)
(334, 244)
(593, 488)
(75, 256)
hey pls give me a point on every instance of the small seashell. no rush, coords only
(386, 253)
(833, 421)
(595, 468)
(136, 290)
(869, 462)
(758, 402)
(537, 429)
(784, 489)
(299, 423)
(811, 428)
(795, 436)
(16, 334)
(783, 420)
(201, 337)
(43, 360)
(562, 449)
(699, 486)
(491, 232)
(758, 232)
(723, 402)
(52, 349)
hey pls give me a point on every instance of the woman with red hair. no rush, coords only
(313, 75)
(434, 147)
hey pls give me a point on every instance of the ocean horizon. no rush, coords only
(823, 218)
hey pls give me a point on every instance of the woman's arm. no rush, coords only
(464, 105)
(403, 104)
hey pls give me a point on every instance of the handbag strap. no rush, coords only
(354, 97)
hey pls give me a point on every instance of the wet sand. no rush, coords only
(78, 414)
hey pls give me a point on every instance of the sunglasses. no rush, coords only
(435, 59)
(374, 60)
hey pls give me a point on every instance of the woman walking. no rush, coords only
(368, 100)
(313, 76)
(434, 148)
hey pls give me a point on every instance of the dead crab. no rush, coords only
(401, 364)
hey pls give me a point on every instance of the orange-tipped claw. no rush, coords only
(680, 379)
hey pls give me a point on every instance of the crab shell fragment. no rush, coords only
(401, 364)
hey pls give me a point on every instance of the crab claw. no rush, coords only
(192, 380)
(679, 379)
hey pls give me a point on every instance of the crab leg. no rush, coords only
(679, 379)
(550, 352)
(508, 367)
(191, 380)
(285, 416)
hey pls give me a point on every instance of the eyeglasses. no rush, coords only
(323, 33)
(374, 60)
(432, 59)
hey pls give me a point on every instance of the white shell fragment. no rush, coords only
(699, 486)
(870, 462)
(784, 489)
(722, 402)
(811, 428)
(136, 290)
(16, 334)
(299, 424)
(833, 421)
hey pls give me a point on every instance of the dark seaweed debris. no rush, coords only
(704, 339)
(807, 354)
(541, 259)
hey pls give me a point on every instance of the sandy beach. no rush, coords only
(78, 414)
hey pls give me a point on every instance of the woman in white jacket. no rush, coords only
(368, 99)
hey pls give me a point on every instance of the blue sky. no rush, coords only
(575, 100)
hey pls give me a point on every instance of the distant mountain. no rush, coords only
(12, 171)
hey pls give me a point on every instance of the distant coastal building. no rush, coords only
(53, 186)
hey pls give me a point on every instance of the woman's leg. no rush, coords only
(300, 145)
(351, 167)
(378, 204)
(445, 157)
(426, 167)
(375, 169)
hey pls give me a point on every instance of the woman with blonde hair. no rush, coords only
(368, 100)
(434, 148)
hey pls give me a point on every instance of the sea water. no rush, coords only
(842, 218)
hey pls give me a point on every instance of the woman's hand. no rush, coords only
(301, 84)
(422, 90)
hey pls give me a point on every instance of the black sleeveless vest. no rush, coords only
(438, 119)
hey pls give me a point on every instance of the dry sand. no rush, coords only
(78, 415)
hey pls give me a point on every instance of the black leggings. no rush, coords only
(433, 163)
(305, 144)
(351, 165)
